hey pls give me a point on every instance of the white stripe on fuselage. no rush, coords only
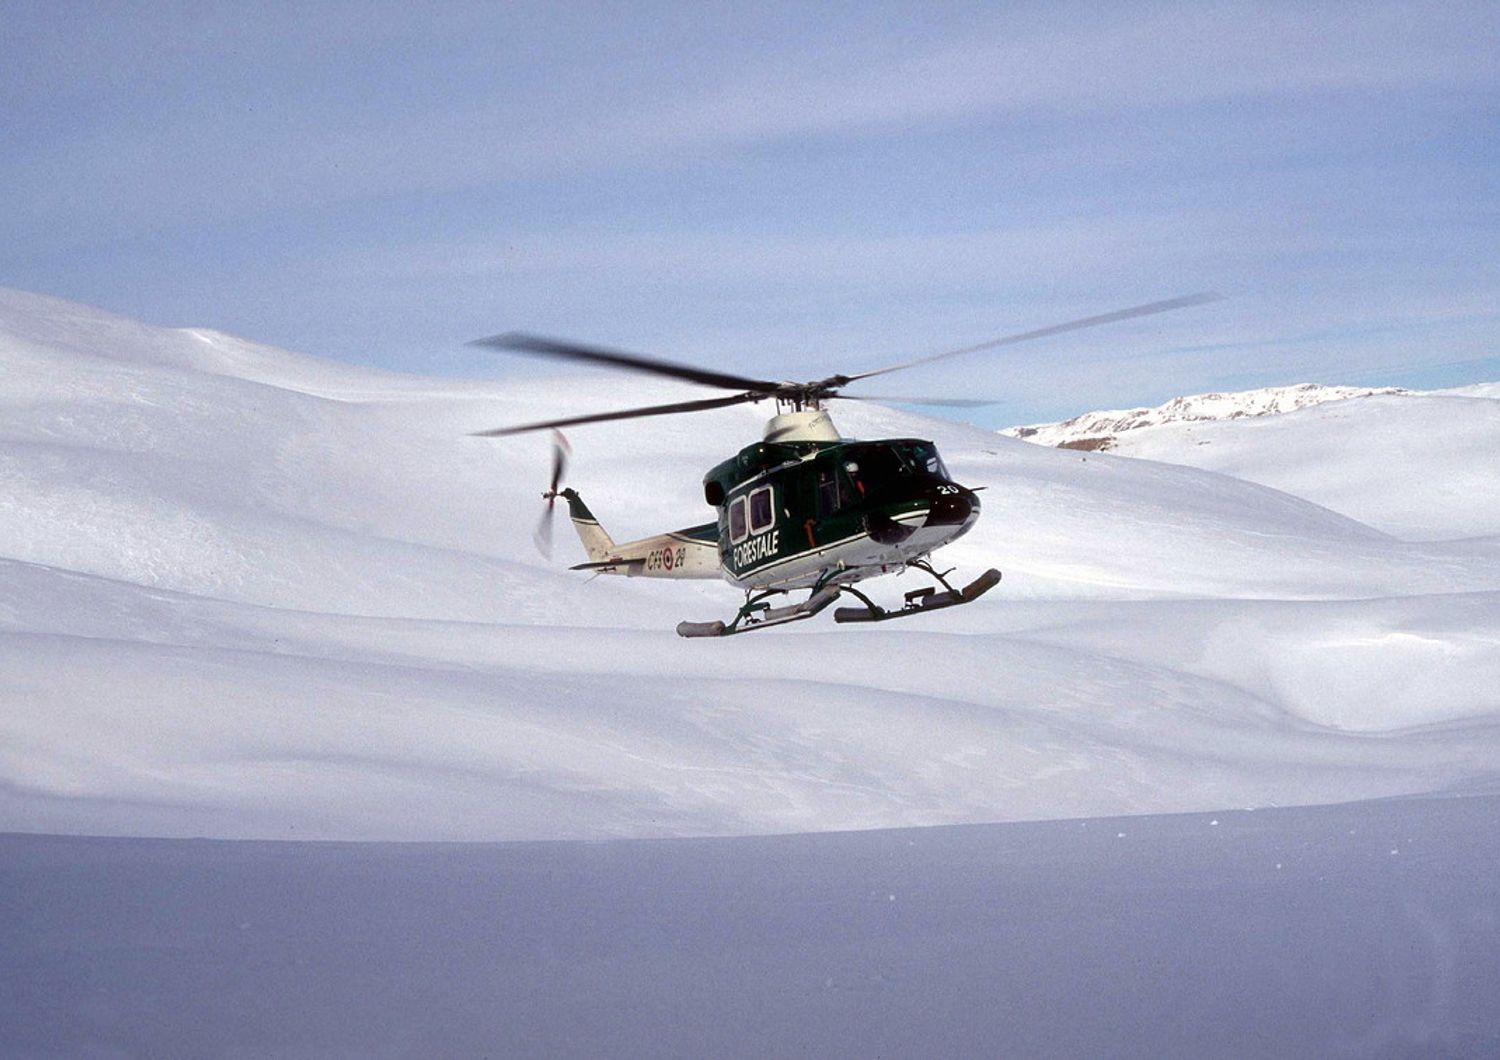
(887, 557)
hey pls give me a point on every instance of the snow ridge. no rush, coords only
(1101, 430)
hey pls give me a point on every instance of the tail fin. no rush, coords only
(596, 542)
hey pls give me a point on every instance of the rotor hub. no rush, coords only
(806, 425)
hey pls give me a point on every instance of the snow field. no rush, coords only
(244, 593)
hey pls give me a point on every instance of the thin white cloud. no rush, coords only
(181, 160)
(1106, 60)
(736, 256)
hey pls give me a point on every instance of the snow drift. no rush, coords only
(247, 593)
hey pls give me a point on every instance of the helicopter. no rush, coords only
(803, 509)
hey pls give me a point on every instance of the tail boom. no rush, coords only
(689, 553)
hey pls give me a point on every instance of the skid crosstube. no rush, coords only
(761, 617)
(922, 600)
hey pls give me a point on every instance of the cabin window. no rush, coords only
(738, 529)
(762, 515)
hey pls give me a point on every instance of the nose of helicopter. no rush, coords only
(952, 509)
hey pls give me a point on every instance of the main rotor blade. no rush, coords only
(536, 346)
(624, 414)
(1056, 329)
(952, 403)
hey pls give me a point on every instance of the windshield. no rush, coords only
(877, 468)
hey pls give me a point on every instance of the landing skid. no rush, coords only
(919, 601)
(757, 614)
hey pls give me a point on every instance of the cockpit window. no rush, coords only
(923, 458)
(877, 462)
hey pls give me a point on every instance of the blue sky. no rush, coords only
(777, 189)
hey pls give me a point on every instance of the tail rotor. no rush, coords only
(543, 535)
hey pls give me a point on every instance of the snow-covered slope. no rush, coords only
(249, 593)
(1421, 466)
(1414, 464)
